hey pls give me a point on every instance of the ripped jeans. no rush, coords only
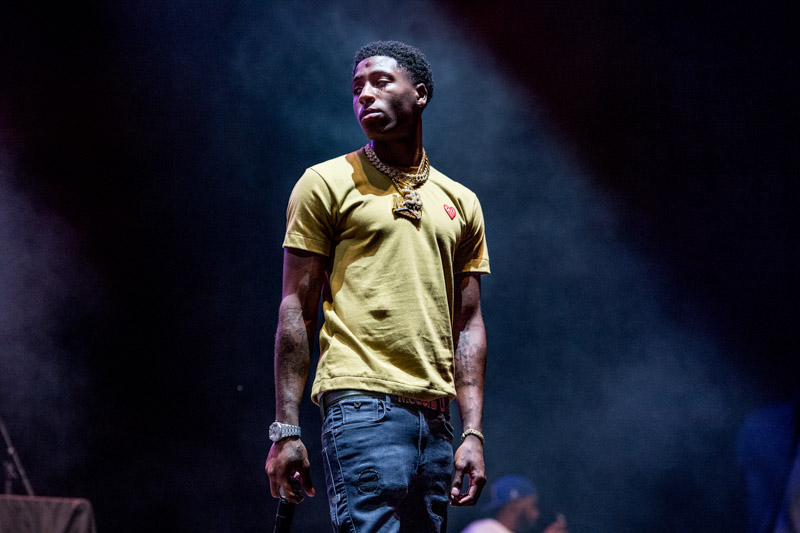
(388, 466)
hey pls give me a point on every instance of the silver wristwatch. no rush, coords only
(279, 431)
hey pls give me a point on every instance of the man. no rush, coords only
(403, 332)
(515, 507)
(769, 455)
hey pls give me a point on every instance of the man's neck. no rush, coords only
(400, 153)
(509, 519)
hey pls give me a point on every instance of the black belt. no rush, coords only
(329, 398)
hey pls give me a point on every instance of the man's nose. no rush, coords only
(366, 95)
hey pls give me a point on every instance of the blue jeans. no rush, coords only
(388, 466)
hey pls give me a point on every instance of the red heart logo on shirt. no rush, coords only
(451, 211)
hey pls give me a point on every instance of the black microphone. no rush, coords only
(285, 512)
(284, 516)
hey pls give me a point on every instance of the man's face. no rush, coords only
(528, 511)
(386, 102)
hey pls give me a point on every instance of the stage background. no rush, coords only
(637, 167)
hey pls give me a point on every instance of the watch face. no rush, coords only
(275, 431)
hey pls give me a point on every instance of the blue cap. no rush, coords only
(507, 489)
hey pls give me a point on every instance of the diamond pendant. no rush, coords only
(409, 205)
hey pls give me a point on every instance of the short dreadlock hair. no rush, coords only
(410, 59)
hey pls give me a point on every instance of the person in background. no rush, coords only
(768, 455)
(514, 506)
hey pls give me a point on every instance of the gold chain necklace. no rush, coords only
(408, 203)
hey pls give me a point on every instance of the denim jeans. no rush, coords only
(388, 466)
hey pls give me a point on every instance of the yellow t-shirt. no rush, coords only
(389, 298)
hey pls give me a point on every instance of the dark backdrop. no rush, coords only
(637, 167)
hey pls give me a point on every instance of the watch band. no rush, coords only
(279, 431)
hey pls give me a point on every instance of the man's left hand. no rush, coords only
(468, 462)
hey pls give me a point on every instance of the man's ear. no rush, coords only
(422, 95)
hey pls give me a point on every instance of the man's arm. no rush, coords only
(469, 336)
(303, 274)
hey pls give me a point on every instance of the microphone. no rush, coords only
(284, 516)
(285, 513)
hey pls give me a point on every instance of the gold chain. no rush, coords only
(408, 203)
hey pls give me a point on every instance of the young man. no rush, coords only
(403, 332)
(514, 505)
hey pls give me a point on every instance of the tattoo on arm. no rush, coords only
(303, 276)
(292, 342)
(469, 336)
(292, 356)
(469, 359)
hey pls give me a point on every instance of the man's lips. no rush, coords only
(367, 112)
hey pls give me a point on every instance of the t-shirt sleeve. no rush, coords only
(472, 255)
(309, 215)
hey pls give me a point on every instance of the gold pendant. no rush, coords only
(409, 205)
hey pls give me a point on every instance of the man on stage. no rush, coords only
(396, 250)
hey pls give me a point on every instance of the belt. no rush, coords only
(329, 398)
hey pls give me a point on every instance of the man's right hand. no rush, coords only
(559, 526)
(288, 458)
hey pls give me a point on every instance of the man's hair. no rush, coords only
(410, 59)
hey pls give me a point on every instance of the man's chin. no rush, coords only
(370, 133)
(373, 133)
(372, 128)
(383, 135)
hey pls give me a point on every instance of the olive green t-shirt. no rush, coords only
(388, 302)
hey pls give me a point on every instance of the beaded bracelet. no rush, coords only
(475, 432)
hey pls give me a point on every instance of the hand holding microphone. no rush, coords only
(285, 512)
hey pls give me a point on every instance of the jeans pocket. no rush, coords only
(449, 430)
(361, 411)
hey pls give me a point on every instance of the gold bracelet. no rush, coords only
(475, 432)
